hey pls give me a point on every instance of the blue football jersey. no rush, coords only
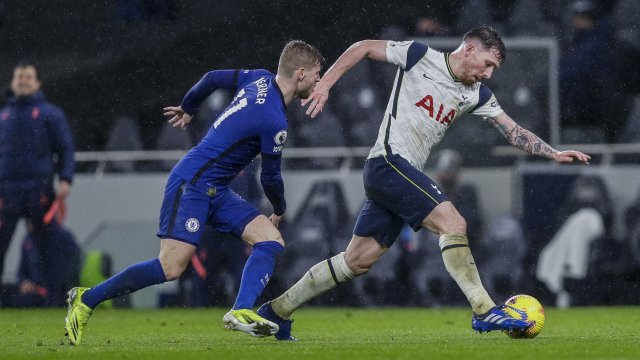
(254, 122)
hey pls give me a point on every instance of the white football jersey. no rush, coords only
(426, 99)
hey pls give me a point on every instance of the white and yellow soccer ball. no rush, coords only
(529, 309)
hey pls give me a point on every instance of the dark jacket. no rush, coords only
(31, 132)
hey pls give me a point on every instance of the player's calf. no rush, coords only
(322, 277)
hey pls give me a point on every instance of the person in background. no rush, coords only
(33, 133)
(586, 68)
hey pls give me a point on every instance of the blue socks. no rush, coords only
(257, 272)
(255, 276)
(133, 278)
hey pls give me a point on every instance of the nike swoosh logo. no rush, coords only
(427, 77)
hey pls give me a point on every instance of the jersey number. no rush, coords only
(238, 103)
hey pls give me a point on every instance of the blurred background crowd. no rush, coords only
(112, 65)
(119, 62)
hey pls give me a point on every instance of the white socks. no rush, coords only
(323, 276)
(462, 268)
(327, 274)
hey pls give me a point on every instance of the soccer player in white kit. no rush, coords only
(432, 89)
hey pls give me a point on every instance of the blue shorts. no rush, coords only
(187, 208)
(396, 193)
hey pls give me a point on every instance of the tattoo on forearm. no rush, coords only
(524, 139)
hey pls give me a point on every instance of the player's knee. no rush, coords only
(360, 270)
(271, 235)
(446, 219)
(358, 265)
(457, 225)
(172, 272)
(277, 238)
(261, 229)
(172, 267)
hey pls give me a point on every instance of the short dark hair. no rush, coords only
(25, 64)
(297, 54)
(489, 38)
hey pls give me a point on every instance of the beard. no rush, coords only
(468, 80)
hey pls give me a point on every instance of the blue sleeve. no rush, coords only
(210, 82)
(272, 184)
(484, 95)
(415, 53)
(273, 134)
(62, 144)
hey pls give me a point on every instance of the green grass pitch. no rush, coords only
(338, 333)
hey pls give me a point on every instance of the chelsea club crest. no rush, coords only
(192, 225)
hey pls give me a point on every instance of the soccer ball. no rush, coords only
(529, 309)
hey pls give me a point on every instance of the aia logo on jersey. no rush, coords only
(35, 112)
(427, 104)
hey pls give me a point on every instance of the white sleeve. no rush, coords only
(490, 109)
(397, 52)
(487, 103)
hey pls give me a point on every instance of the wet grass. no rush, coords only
(338, 333)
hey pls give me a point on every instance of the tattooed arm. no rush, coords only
(524, 139)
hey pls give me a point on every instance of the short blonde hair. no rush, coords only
(299, 54)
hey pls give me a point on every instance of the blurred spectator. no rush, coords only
(494, 13)
(463, 196)
(427, 26)
(568, 253)
(631, 130)
(32, 133)
(358, 106)
(585, 70)
(625, 16)
(588, 191)
(123, 136)
(48, 268)
(327, 132)
(527, 19)
(585, 218)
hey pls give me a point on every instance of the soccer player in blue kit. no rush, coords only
(198, 192)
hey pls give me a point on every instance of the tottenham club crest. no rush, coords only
(192, 225)
(280, 137)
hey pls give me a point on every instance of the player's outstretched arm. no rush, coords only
(181, 115)
(524, 139)
(372, 49)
